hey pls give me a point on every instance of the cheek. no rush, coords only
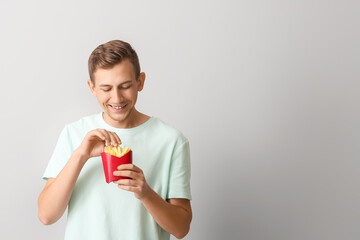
(130, 94)
(102, 97)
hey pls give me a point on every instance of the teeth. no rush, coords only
(117, 107)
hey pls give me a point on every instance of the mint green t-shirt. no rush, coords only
(98, 210)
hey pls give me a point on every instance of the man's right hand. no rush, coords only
(95, 141)
(55, 196)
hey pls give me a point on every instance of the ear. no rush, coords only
(141, 81)
(92, 87)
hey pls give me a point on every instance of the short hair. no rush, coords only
(109, 54)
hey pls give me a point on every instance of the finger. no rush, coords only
(114, 140)
(97, 134)
(128, 173)
(129, 166)
(126, 182)
(118, 140)
(106, 136)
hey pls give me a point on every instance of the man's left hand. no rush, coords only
(137, 184)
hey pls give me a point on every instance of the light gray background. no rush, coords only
(266, 91)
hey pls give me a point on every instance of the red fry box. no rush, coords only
(111, 164)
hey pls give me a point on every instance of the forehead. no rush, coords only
(121, 72)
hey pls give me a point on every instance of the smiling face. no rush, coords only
(116, 89)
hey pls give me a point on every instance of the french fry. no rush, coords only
(125, 150)
(117, 151)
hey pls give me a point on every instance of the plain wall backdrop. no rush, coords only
(267, 93)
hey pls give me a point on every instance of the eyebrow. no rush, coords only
(108, 85)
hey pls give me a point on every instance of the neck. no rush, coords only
(134, 119)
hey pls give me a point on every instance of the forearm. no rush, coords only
(55, 197)
(173, 219)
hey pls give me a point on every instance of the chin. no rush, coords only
(118, 117)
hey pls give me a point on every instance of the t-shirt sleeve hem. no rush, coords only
(47, 177)
(186, 196)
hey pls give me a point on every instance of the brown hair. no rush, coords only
(109, 54)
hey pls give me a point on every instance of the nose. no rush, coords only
(116, 96)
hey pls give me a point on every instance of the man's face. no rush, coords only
(116, 90)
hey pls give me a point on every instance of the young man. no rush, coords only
(155, 201)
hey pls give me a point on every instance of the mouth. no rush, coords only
(117, 108)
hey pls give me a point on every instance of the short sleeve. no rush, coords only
(60, 156)
(180, 171)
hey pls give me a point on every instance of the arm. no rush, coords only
(56, 194)
(54, 198)
(173, 216)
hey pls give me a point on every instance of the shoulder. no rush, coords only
(84, 124)
(74, 132)
(168, 132)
